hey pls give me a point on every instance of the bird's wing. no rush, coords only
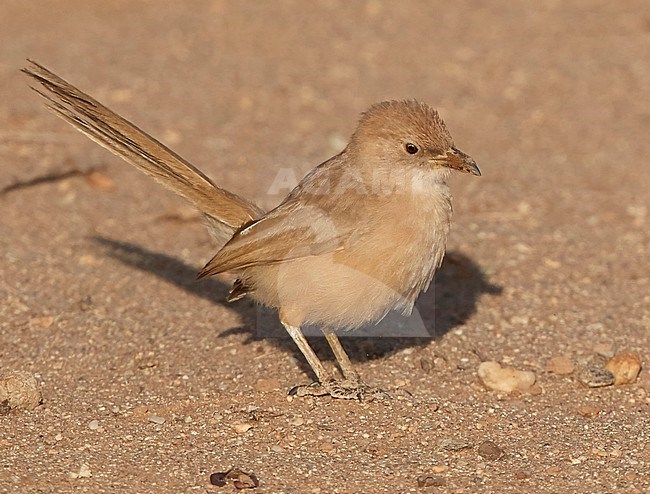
(289, 232)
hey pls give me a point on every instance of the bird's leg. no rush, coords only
(326, 384)
(342, 358)
(322, 374)
(352, 386)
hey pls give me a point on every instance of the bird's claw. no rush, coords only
(342, 389)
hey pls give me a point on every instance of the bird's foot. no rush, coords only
(341, 389)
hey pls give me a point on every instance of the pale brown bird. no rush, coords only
(362, 234)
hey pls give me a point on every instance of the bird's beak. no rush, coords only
(456, 159)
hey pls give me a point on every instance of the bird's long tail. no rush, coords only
(225, 211)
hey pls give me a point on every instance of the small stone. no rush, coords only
(553, 470)
(625, 367)
(240, 427)
(426, 365)
(239, 478)
(88, 260)
(99, 180)
(594, 375)
(490, 451)
(588, 411)
(562, 366)
(430, 481)
(599, 452)
(326, 447)
(453, 444)
(155, 419)
(42, 322)
(505, 379)
(439, 468)
(19, 390)
(84, 472)
(218, 479)
(277, 448)
(296, 421)
(93, 425)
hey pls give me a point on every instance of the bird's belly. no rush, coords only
(323, 291)
(349, 288)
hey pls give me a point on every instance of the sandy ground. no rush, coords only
(549, 254)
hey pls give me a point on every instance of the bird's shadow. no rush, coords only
(450, 301)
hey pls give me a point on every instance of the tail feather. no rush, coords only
(226, 211)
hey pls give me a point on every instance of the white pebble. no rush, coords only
(505, 379)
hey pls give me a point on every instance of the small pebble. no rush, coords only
(490, 451)
(588, 411)
(240, 428)
(19, 390)
(99, 180)
(218, 479)
(157, 419)
(600, 453)
(93, 425)
(430, 481)
(297, 421)
(625, 367)
(453, 444)
(239, 478)
(426, 365)
(83, 473)
(88, 260)
(326, 447)
(594, 375)
(42, 321)
(505, 379)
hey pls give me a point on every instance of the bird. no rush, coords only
(361, 235)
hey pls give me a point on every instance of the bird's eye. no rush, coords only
(411, 148)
